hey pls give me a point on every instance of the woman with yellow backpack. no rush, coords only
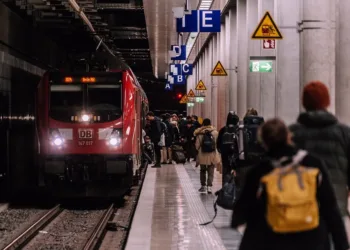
(287, 201)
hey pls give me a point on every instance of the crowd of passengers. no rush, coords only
(295, 195)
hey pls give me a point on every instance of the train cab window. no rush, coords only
(105, 100)
(65, 101)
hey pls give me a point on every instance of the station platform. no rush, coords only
(170, 210)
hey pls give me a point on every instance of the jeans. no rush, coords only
(203, 175)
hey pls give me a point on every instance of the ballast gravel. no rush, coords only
(70, 230)
(13, 222)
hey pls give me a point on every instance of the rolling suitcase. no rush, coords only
(178, 154)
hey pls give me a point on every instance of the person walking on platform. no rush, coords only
(190, 141)
(168, 139)
(288, 201)
(319, 132)
(155, 132)
(227, 145)
(208, 155)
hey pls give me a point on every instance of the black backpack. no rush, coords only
(229, 140)
(226, 197)
(252, 148)
(208, 142)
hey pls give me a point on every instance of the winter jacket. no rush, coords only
(212, 158)
(320, 133)
(170, 134)
(251, 210)
(155, 130)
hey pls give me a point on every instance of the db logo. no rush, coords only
(85, 133)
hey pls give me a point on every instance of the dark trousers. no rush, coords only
(157, 149)
(228, 164)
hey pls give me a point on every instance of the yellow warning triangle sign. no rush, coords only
(191, 93)
(267, 29)
(184, 99)
(201, 86)
(219, 70)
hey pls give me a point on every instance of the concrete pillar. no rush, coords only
(232, 62)
(227, 63)
(318, 44)
(221, 79)
(267, 80)
(207, 81)
(287, 64)
(214, 85)
(343, 62)
(242, 58)
(202, 105)
(253, 79)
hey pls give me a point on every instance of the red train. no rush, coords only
(89, 129)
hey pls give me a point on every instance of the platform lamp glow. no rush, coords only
(205, 5)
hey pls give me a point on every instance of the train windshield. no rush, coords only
(65, 101)
(99, 94)
(105, 101)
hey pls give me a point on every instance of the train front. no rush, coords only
(81, 134)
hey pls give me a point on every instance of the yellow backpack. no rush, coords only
(292, 204)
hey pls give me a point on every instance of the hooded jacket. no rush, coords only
(212, 158)
(320, 133)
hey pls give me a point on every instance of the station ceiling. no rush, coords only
(162, 31)
(121, 24)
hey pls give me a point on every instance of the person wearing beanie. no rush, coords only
(319, 132)
(229, 150)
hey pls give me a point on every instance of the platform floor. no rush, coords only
(170, 210)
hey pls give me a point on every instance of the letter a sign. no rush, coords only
(219, 70)
(267, 29)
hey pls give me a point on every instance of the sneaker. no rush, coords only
(203, 189)
(157, 165)
(209, 190)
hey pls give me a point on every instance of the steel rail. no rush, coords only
(33, 229)
(98, 230)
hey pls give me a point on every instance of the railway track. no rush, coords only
(31, 233)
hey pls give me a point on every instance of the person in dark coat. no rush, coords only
(169, 137)
(320, 133)
(155, 132)
(190, 141)
(195, 121)
(229, 153)
(251, 208)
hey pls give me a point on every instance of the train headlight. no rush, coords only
(58, 141)
(56, 138)
(85, 118)
(115, 138)
(113, 141)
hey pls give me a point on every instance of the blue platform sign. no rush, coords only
(169, 87)
(179, 79)
(178, 52)
(181, 69)
(200, 21)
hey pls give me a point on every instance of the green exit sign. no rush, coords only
(199, 99)
(260, 66)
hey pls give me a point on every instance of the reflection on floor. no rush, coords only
(170, 210)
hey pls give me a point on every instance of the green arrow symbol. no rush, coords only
(266, 66)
